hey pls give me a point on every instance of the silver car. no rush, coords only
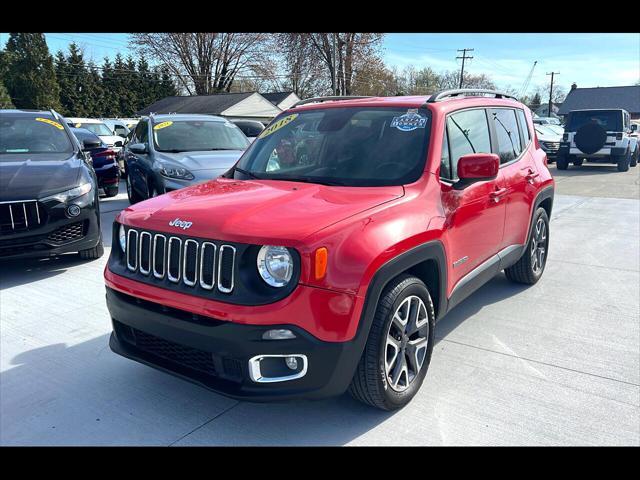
(169, 152)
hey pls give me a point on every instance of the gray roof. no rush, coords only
(207, 104)
(276, 97)
(627, 98)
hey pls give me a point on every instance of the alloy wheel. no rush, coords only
(406, 343)
(539, 246)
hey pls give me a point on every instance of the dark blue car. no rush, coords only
(104, 160)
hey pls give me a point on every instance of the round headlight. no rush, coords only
(123, 239)
(275, 265)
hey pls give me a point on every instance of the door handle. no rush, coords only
(497, 194)
(531, 176)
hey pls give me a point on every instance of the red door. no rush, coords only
(475, 218)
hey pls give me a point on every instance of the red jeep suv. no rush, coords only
(321, 262)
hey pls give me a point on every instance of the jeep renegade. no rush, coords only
(322, 260)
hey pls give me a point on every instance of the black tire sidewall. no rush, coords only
(540, 213)
(398, 399)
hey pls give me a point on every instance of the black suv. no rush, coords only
(48, 189)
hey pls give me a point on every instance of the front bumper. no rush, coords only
(215, 353)
(58, 235)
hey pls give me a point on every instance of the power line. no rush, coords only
(463, 57)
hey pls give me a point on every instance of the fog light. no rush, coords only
(292, 363)
(73, 210)
(278, 334)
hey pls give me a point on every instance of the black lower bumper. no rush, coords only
(215, 354)
(62, 235)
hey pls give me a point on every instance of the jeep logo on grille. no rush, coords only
(180, 223)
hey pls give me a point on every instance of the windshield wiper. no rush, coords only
(173, 150)
(246, 172)
(329, 183)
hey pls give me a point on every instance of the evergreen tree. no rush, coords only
(30, 75)
(5, 99)
(111, 104)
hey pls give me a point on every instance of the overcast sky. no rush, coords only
(589, 59)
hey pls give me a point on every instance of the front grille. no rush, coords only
(67, 233)
(194, 263)
(20, 216)
(189, 357)
(553, 146)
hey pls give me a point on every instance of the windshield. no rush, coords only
(361, 146)
(97, 128)
(21, 134)
(197, 135)
(610, 120)
(545, 131)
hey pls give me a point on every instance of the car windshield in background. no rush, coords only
(341, 146)
(610, 120)
(197, 135)
(22, 134)
(97, 128)
(546, 131)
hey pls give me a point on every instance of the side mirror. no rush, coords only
(138, 148)
(117, 144)
(89, 144)
(634, 127)
(477, 167)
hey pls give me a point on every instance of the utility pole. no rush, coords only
(551, 91)
(333, 73)
(463, 57)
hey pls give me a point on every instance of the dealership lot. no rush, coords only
(555, 363)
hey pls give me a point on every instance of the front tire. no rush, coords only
(93, 253)
(398, 351)
(529, 268)
(131, 192)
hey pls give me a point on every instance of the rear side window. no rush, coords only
(507, 134)
(468, 133)
(524, 128)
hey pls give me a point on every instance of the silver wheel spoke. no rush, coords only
(406, 343)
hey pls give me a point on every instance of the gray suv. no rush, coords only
(169, 152)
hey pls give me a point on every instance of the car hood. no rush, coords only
(209, 160)
(256, 211)
(31, 176)
(111, 139)
(549, 137)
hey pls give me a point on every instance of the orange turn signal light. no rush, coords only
(321, 260)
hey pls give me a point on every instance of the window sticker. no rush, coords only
(78, 125)
(162, 125)
(409, 121)
(278, 125)
(50, 122)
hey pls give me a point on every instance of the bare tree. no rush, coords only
(203, 63)
(343, 54)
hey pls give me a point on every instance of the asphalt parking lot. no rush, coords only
(553, 364)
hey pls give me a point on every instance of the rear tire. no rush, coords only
(93, 253)
(111, 191)
(562, 163)
(634, 157)
(623, 163)
(373, 381)
(529, 268)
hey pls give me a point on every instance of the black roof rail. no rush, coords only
(327, 99)
(467, 92)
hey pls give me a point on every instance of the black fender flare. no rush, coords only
(544, 194)
(432, 250)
